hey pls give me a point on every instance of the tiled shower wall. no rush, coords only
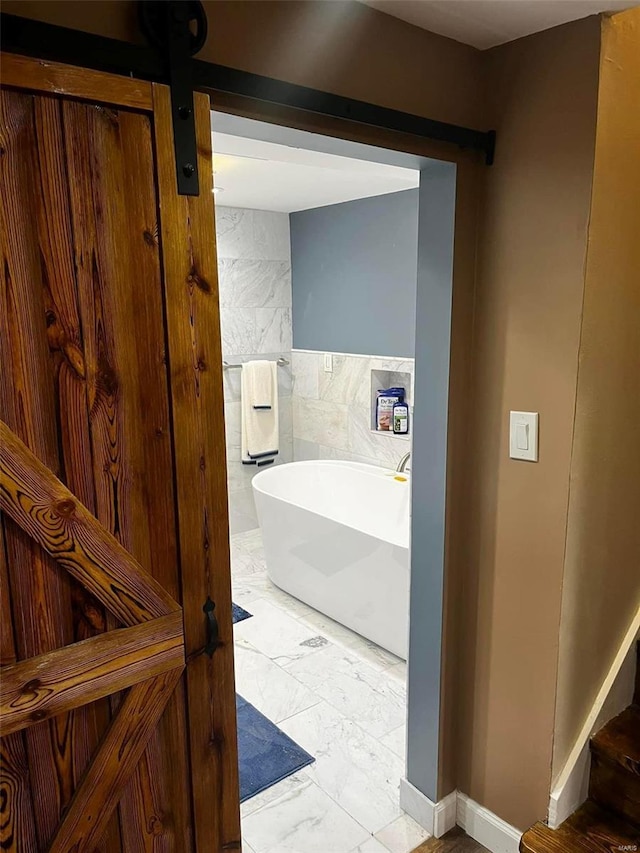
(254, 268)
(332, 412)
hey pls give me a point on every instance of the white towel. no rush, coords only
(259, 412)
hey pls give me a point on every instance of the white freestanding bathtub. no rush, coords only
(336, 536)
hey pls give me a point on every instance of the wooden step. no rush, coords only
(589, 830)
(615, 766)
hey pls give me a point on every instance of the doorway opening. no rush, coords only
(321, 256)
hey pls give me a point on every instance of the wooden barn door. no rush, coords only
(118, 729)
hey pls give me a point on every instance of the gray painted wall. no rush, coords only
(428, 471)
(353, 274)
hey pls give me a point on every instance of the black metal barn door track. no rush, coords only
(176, 30)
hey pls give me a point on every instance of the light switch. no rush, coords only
(328, 362)
(523, 436)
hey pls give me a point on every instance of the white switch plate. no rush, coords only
(328, 362)
(523, 436)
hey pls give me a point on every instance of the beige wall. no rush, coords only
(532, 247)
(602, 568)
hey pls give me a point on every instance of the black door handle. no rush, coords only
(213, 630)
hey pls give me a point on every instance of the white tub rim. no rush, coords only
(376, 470)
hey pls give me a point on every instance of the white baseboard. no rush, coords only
(573, 790)
(437, 818)
(571, 785)
(487, 828)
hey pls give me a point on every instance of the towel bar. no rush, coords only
(281, 362)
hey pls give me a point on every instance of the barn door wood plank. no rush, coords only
(57, 78)
(7, 642)
(114, 210)
(64, 337)
(187, 230)
(47, 512)
(150, 400)
(116, 759)
(65, 679)
(40, 591)
(64, 332)
(17, 823)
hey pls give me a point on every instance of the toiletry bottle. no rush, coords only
(400, 418)
(384, 407)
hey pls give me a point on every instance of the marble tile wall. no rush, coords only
(332, 411)
(254, 269)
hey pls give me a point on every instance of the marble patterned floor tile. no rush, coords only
(240, 522)
(403, 835)
(398, 671)
(253, 587)
(354, 688)
(352, 767)
(304, 820)
(244, 593)
(249, 577)
(329, 628)
(251, 541)
(280, 789)
(278, 636)
(340, 635)
(245, 563)
(372, 845)
(396, 741)
(290, 605)
(259, 583)
(375, 655)
(268, 687)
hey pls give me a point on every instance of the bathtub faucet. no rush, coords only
(402, 464)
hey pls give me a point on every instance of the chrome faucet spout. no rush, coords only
(402, 464)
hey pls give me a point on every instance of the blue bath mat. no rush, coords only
(265, 753)
(239, 613)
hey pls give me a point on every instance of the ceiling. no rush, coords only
(263, 175)
(486, 23)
